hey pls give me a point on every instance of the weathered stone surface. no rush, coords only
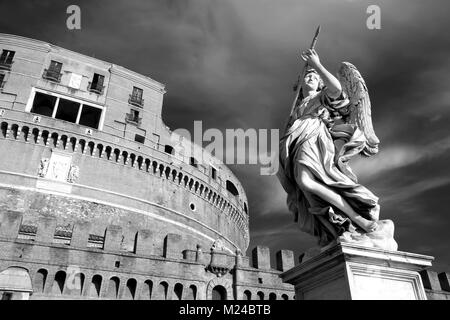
(261, 257)
(10, 224)
(430, 280)
(144, 243)
(113, 238)
(444, 280)
(173, 246)
(80, 234)
(285, 260)
(45, 229)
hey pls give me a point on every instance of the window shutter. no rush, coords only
(137, 93)
(3, 56)
(10, 57)
(55, 66)
(100, 81)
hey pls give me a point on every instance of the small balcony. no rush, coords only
(96, 88)
(52, 75)
(6, 65)
(136, 101)
(133, 119)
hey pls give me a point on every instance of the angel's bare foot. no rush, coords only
(372, 226)
(366, 225)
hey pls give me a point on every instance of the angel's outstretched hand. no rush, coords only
(311, 57)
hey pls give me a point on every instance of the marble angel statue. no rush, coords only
(331, 122)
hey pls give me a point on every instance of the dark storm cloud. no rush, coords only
(232, 64)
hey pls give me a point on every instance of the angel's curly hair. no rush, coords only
(305, 72)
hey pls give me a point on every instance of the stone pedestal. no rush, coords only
(351, 272)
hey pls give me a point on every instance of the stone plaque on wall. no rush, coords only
(57, 171)
(75, 80)
(59, 166)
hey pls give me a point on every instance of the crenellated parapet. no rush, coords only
(46, 231)
(47, 248)
(437, 285)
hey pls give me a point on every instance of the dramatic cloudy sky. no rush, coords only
(232, 63)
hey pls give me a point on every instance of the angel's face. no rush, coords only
(312, 81)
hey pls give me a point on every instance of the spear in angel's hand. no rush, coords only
(297, 84)
(313, 44)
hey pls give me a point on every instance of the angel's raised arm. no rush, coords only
(333, 86)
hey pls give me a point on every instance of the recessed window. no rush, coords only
(213, 173)
(66, 109)
(96, 85)
(192, 206)
(168, 149)
(193, 162)
(6, 59)
(139, 138)
(55, 66)
(133, 117)
(53, 73)
(136, 97)
(232, 188)
(219, 293)
(43, 104)
(90, 116)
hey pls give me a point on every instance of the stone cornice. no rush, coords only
(137, 78)
(24, 42)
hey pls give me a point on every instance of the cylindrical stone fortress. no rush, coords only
(82, 140)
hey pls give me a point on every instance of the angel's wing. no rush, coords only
(359, 107)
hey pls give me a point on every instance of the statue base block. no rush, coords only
(346, 271)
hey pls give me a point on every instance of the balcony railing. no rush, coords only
(6, 65)
(95, 87)
(133, 119)
(136, 101)
(52, 75)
